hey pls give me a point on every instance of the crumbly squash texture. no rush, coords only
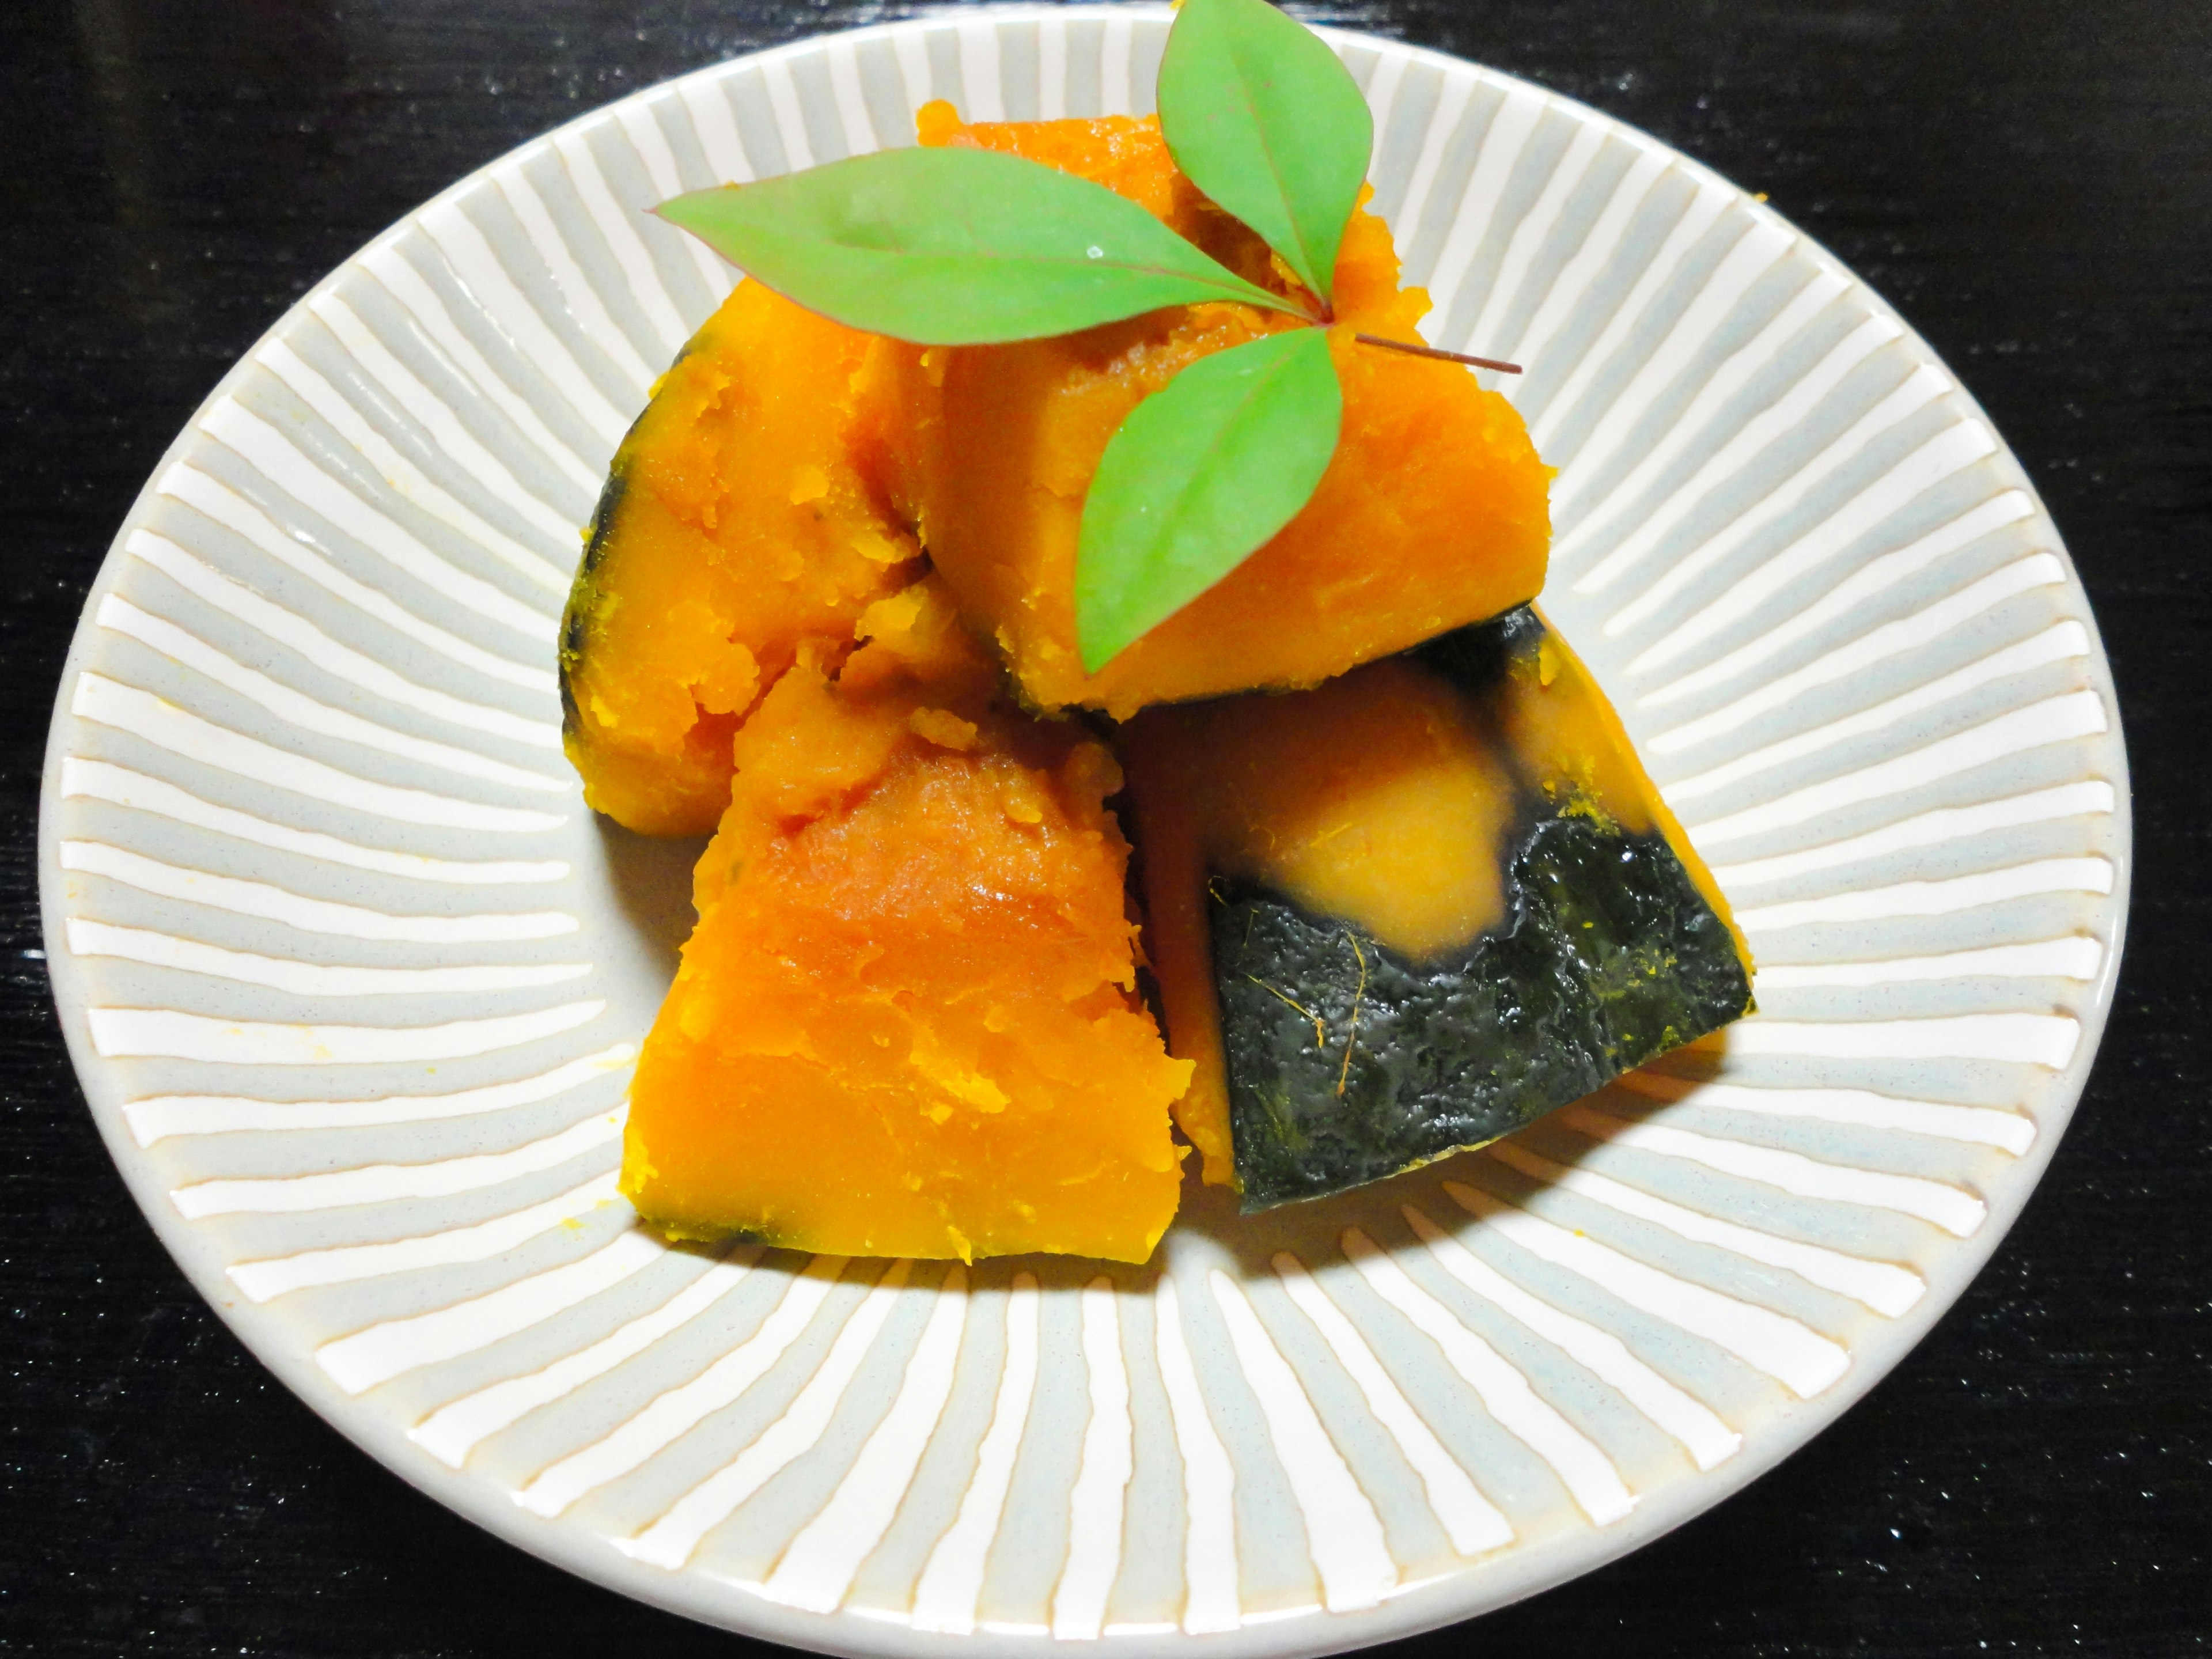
(908, 1022)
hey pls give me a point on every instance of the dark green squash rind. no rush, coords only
(1610, 957)
(583, 590)
(606, 512)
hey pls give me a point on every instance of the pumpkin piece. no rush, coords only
(1411, 911)
(908, 1022)
(1433, 513)
(746, 517)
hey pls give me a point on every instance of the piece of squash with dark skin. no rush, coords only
(1414, 910)
(774, 486)
(746, 517)
(1434, 512)
(907, 1023)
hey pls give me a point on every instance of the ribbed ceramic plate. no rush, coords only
(353, 979)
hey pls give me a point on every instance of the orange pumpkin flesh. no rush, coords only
(907, 1023)
(1433, 513)
(746, 517)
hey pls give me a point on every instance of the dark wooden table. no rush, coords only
(2029, 180)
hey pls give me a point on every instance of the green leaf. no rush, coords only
(1199, 476)
(1264, 119)
(956, 248)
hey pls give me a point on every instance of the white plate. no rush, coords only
(351, 977)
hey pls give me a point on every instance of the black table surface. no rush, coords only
(2029, 181)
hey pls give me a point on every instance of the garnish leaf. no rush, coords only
(1259, 112)
(1199, 476)
(957, 247)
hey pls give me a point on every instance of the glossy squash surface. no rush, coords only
(1410, 911)
(907, 1023)
(1433, 513)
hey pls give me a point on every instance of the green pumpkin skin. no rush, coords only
(1608, 956)
(1611, 958)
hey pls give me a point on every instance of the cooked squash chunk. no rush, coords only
(1434, 513)
(1414, 909)
(746, 518)
(774, 486)
(907, 1023)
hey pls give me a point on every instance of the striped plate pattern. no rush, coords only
(354, 981)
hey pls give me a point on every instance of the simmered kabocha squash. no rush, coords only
(1433, 513)
(772, 488)
(908, 1022)
(1413, 910)
(746, 518)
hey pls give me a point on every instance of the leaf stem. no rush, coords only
(1412, 350)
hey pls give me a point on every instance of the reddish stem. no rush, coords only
(1412, 350)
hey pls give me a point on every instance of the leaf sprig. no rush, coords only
(1261, 115)
(971, 247)
(958, 247)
